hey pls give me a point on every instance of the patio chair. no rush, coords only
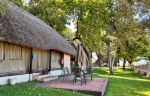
(67, 74)
(79, 75)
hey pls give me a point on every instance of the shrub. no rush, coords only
(148, 63)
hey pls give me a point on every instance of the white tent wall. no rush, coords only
(18, 63)
(35, 60)
(45, 59)
(67, 61)
(41, 60)
(55, 60)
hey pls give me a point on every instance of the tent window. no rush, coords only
(2, 51)
(15, 52)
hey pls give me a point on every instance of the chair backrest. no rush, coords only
(67, 70)
(89, 69)
(64, 71)
(78, 72)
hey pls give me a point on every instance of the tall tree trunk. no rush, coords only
(99, 60)
(111, 66)
(130, 64)
(111, 63)
(90, 59)
(111, 59)
(124, 64)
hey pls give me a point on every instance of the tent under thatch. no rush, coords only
(22, 28)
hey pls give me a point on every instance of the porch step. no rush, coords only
(45, 77)
(38, 77)
(49, 78)
(35, 74)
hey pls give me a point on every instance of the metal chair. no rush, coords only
(67, 74)
(79, 75)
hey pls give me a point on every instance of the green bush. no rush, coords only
(148, 63)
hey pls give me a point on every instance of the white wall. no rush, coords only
(56, 72)
(19, 79)
(8, 65)
(67, 61)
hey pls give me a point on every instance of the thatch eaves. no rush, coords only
(21, 27)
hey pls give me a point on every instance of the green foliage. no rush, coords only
(3, 6)
(132, 40)
(49, 11)
(104, 25)
(57, 13)
(68, 34)
(18, 3)
(148, 63)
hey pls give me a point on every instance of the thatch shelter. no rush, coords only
(82, 56)
(28, 45)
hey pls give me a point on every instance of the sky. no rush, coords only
(71, 26)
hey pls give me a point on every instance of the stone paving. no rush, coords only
(95, 87)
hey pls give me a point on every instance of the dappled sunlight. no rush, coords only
(119, 73)
(144, 93)
(100, 75)
(121, 77)
(137, 79)
(123, 82)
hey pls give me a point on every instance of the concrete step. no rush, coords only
(38, 77)
(46, 79)
(34, 74)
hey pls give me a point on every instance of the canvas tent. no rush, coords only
(28, 44)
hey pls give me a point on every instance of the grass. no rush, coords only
(122, 83)
(29, 89)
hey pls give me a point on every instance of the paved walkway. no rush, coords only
(95, 87)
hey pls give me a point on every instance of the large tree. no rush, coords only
(95, 21)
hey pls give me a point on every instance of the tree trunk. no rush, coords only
(149, 58)
(99, 60)
(124, 63)
(111, 58)
(90, 59)
(111, 63)
(130, 62)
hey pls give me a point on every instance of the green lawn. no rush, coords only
(29, 89)
(122, 83)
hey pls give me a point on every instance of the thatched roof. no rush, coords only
(21, 27)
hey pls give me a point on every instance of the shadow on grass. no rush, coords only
(124, 83)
